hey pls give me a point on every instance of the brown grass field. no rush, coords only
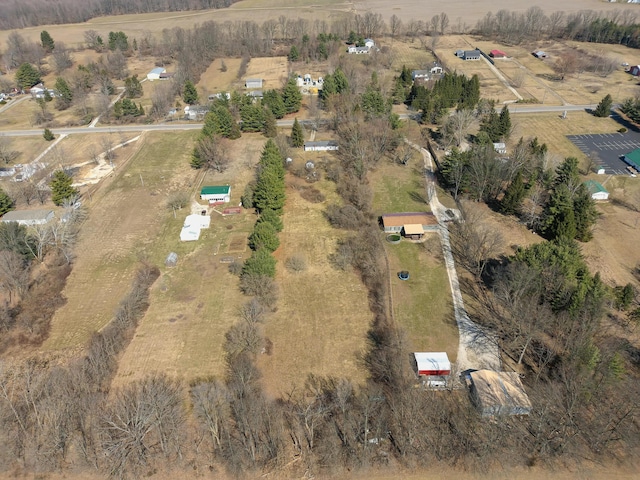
(551, 129)
(323, 313)
(273, 71)
(422, 306)
(124, 222)
(214, 80)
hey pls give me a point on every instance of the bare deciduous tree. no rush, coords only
(7, 154)
(61, 58)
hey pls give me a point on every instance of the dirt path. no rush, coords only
(477, 349)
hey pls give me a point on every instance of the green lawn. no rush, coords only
(422, 305)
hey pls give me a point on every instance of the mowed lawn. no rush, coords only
(323, 313)
(422, 305)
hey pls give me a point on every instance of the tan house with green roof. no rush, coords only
(216, 193)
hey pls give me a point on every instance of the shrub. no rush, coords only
(622, 130)
(296, 264)
(261, 262)
(263, 287)
(346, 217)
(235, 268)
(312, 195)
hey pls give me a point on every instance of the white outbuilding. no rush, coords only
(155, 73)
(28, 217)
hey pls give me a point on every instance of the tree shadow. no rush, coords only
(417, 197)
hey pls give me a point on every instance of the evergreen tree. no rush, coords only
(604, 107)
(585, 212)
(6, 203)
(132, 87)
(261, 262)
(27, 76)
(47, 42)
(342, 84)
(127, 108)
(405, 76)
(189, 93)
(264, 235)
(271, 217)
(293, 54)
(567, 173)
(252, 117)
(61, 188)
(505, 122)
(373, 103)
(559, 219)
(48, 135)
(513, 196)
(64, 94)
(291, 96)
(273, 100)
(492, 126)
(297, 134)
(219, 121)
(118, 41)
(270, 129)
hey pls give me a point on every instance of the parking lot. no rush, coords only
(609, 147)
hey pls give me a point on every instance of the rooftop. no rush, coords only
(408, 218)
(432, 361)
(634, 157)
(26, 215)
(594, 187)
(413, 229)
(158, 70)
(215, 190)
(321, 143)
(500, 389)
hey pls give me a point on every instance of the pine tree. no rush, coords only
(270, 124)
(65, 95)
(271, 217)
(567, 173)
(261, 262)
(273, 100)
(252, 117)
(61, 188)
(513, 196)
(264, 235)
(48, 135)
(297, 134)
(559, 219)
(219, 121)
(585, 213)
(27, 76)
(293, 54)
(291, 96)
(132, 87)
(604, 107)
(189, 93)
(6, 203)
(505, 122)
(47, 42)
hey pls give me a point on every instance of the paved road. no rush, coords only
(513, 108)
(476, 349)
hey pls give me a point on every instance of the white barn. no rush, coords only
(155, 73)
(28, 217)
(216, 193)
(253, 83)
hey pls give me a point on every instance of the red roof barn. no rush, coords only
(497, 54)
(433, 363)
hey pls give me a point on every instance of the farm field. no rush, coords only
(214, 80)
(422, 305)
(323, 314)
(272, 70)
(193, 304)
(124, 222)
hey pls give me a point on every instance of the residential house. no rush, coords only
(500, 147)
(253, 83)
(28, 217)
(369, 43)
(357, 50)
(320, 146)
(216, 194)
(410, 224)
(471, 55)
(195, 112)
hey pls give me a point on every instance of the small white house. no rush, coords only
(358, 50)
(500, 147)
(28, 217)
(195, 112)
(320, 146)
(216, 193)
(155, 73)
(369, 43)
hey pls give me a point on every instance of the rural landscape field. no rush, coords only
(319, 240)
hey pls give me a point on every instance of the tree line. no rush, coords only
(42, 12)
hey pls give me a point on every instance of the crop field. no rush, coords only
(125, 219)
(323, 314)
(422, 305)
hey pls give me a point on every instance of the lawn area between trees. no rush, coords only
(422, 305)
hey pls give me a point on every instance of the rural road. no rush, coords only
(476, 349)
(513, 109)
